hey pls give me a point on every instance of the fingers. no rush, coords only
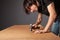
(40, 31)
(37, 31)
(35, 25)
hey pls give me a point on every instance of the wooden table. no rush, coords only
(22, 32)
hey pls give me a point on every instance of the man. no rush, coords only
(46, 7)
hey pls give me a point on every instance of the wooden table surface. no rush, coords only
(22, 32)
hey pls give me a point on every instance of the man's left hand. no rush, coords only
(41, 31)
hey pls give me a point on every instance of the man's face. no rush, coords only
(33, 8)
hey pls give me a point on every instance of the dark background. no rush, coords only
(12, 13)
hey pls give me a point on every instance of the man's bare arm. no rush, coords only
(52, 16)
(39, 18)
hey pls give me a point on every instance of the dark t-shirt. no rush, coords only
(43, 7)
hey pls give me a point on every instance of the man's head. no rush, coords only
(30, 5)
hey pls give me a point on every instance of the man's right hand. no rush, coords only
(35, 25)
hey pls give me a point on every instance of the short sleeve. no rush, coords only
(47, 2)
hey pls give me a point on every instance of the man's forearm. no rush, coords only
(39, 19)
(52, 16)
(50, 22)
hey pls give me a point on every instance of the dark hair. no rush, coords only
(27, 4)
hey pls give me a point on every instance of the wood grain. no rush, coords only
(22, 32)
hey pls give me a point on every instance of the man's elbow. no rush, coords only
(54, 16)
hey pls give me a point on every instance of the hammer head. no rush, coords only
(31, 27)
